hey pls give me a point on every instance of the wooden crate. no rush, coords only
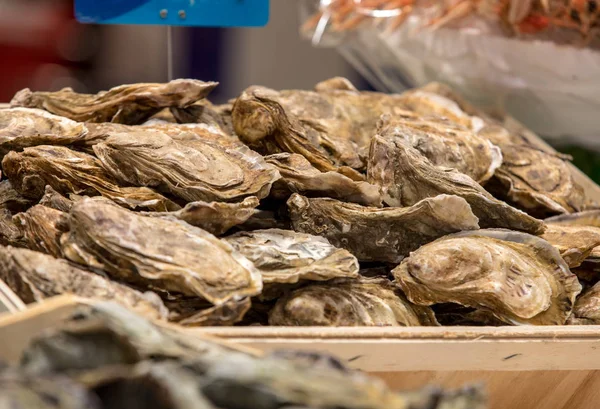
(522, 367)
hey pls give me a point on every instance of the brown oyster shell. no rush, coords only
(10, 233)
(34, 276)
(587, 308)
(204, 112)
(55, 200)
(127, 104)
(193, 170)
(406, 177)
(12, 200)
(575, 243)
(585, 218)
(374, 234)
(195, 312)
(42, 228)
(284, 256)
(447, 144)
(299, 176)
(24, 127)
(538, 180)
(68, 171)
(519, 278)
(350, 302)
(155, 252)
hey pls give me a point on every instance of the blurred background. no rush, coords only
(45, 49)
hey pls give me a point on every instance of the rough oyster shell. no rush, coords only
(195, 312)
(42, 228)
(34, 276)
(406, 176)
(55, 200)
(284, 256)
(24, 127)
(446, 144)
(575, 243)
(519, 278)
(68, 171)
(12, 200)
(374, 234)
(299, 176)
(537, 180)
(127, 104)
(587, 308)
(204, 112)
(192, 170)
(155, 252)
(585, 218)
(350, 302)
(10, 233)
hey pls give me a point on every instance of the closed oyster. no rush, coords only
(519, 278)
(347, 303)
(446, 144)
(406, 177)
(192, 170)
(23, 127)
(68, 171)
(10, 233)
(538, 180)
(42, 228)
(204, 112)
(299, 176)
(575, 243)
(585, 218)
(155, 252)
(35, 276)
(55, 200)
(126, 104)
(387, 234)
(587, 308)
(196, 312)
(12, 200)
(214, 217)
(284, 256)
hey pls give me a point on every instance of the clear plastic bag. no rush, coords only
(548, 78)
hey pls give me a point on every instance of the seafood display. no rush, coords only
(323, 207)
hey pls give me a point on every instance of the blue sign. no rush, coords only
(194, 13)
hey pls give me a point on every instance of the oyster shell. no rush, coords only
(299, 176)
(193, 170)
(141, 250)
(537, 180)
(348, 302)
(204, 112)
(585, 218)
(387, 234)
(34, 276)
(446, 144)
(575, 243)
(10, 233)
(284, 256)
(127, 104)
(68, 171)
(42, 228)
(214, 217)
(587, 308)
(24, 127)
(12, 200)
(55, 200)
(406, 176)
(519, 278)
(195, 312)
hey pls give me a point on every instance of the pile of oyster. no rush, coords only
(106, 357)
(329, 207)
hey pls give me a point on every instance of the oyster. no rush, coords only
(204, 112)
(587, 308)
(127, 104)
(24, 127)
(35, 276)
(586, 218)
(575, 243)
(519, 278)
(12, 200)
(10, 233)
(299, 176)
(387, 234)
(68, 171)
(193, 170)
(406, 176)
(195, 312)
(42, 228)
(214, 217)
(155, 252)
(55, 200)
(446, 144)
(537, 180)
(284, 256)
(348, 302)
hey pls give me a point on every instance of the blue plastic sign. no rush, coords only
(193, 13)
